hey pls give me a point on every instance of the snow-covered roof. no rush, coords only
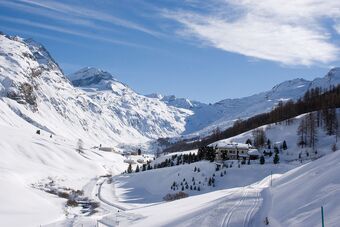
(254, 152)
(228, 145)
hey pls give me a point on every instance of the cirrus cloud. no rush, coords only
(292, 33)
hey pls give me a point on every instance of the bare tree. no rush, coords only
(311, 130)
(302, 133)
(259, 137)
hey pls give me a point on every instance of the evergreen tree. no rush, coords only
(129, 169)
(269, 144)
(334, 148)
(248, 141)
(262, 160)
(139, 151)
(137, 169)
(276, 158)
(284, 145)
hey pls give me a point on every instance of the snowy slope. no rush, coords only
(28, 158)
(223, 113)
(294, 200)
(298, 195)
(242, 196)
(107, 111)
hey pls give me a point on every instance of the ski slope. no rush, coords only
(294, 200)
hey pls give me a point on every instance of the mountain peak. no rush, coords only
(40, 53)
(90, 76)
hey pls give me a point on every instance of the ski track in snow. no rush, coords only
(232, 218)
(227, 218)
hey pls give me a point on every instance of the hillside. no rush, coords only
(223, 114)
(241, 195)
(34, 88)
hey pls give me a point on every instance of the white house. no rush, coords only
(236, 151)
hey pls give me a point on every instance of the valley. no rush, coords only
(87, 150)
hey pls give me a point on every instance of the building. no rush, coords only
(236, 151)
(107, 149)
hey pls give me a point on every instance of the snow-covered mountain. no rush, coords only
(222, 114)
(98, 108)
(172, 100)
(33, 87)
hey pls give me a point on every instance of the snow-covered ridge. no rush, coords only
(223, 113)
(172, 100)
(33, 87)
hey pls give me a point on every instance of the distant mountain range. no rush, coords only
(93, 105)
(222, 114)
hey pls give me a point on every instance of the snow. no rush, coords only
(28, 158)
(102, 111)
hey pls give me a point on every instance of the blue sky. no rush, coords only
(202, 50)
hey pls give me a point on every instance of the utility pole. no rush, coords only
(271, 178)
(322, 217)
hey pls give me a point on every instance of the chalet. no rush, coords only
(107, 149)
(236, 151)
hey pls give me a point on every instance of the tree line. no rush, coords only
(315, 99)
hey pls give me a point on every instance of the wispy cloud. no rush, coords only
(83, 13)
(292, 33)
(69, 31)
(56, 16)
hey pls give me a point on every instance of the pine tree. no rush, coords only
(276, 158)
(284, 145)
(334, 148)
(137, 169)
(269, 144)
(129, 169)
(262, 160)
(248, 141)
(209, 182)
